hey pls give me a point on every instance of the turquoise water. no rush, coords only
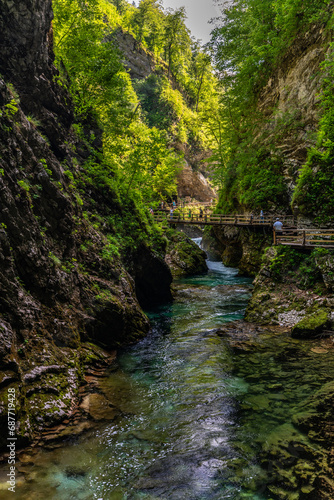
(194, 412)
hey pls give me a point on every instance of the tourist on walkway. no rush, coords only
(261, 216)
(278, 226)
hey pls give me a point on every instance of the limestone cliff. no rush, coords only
(194, 185)
(289, 101)
(140, 62)
(61, 283)
(238, 247)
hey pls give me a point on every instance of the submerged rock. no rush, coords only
(98, 407)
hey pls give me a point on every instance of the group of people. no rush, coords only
(201, 213)
(278, 225)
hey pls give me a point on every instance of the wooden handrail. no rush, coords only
(306, 238)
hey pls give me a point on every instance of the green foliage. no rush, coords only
(13, 92)
(148, 24)
(56, 261)
(254, 36)
(33, 120)
(24, 185)
(157, 110)
(315, 188)
(286, 259)
(177, 39)
(250, 42)
(45, 166)
(110, 250)
(137, 165)
(135, 156)
(83, 44)
(290, 265)
(11, 108)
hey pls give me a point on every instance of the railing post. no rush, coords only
(304, 237)
(275, 242)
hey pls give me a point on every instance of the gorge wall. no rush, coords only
(289, 106)
(61, 288)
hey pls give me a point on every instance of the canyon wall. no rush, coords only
(62, 287)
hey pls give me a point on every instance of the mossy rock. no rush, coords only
(184, 257)
(311, 325)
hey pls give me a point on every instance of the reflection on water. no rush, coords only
(180, 390)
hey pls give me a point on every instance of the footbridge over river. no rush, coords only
(223, 220)
(291, 235)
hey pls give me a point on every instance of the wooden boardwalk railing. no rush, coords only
(305, 238)
(290, 235)
(221, 220)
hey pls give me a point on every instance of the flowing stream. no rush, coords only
(194, 414)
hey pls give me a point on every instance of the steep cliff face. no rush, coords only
(194, 185)
(238, 247)
(26, 61)
(289, 106)
(61, 286)
(137, 60)
(290, 101)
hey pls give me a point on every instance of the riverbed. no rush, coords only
(195, 407)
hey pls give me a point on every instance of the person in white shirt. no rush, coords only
(278, 225)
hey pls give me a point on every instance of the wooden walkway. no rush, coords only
(222, 220)
(290, 236)
(305, 238)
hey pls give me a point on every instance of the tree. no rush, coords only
(121, 5)
(148, 21)
(177, 37)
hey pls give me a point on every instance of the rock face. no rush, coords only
(183, 256)
(137, 60)
(194, 185)
(290, 290)
(238, 247)
(151, 277)
(59, 287)
(289, 101)
(26, 61)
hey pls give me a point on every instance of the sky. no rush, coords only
(199, 12)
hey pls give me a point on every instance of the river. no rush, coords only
(194, 412)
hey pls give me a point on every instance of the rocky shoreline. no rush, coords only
(298, 455)
(295, 289)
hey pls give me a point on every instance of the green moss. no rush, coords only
(183, 255)
(311, 325)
